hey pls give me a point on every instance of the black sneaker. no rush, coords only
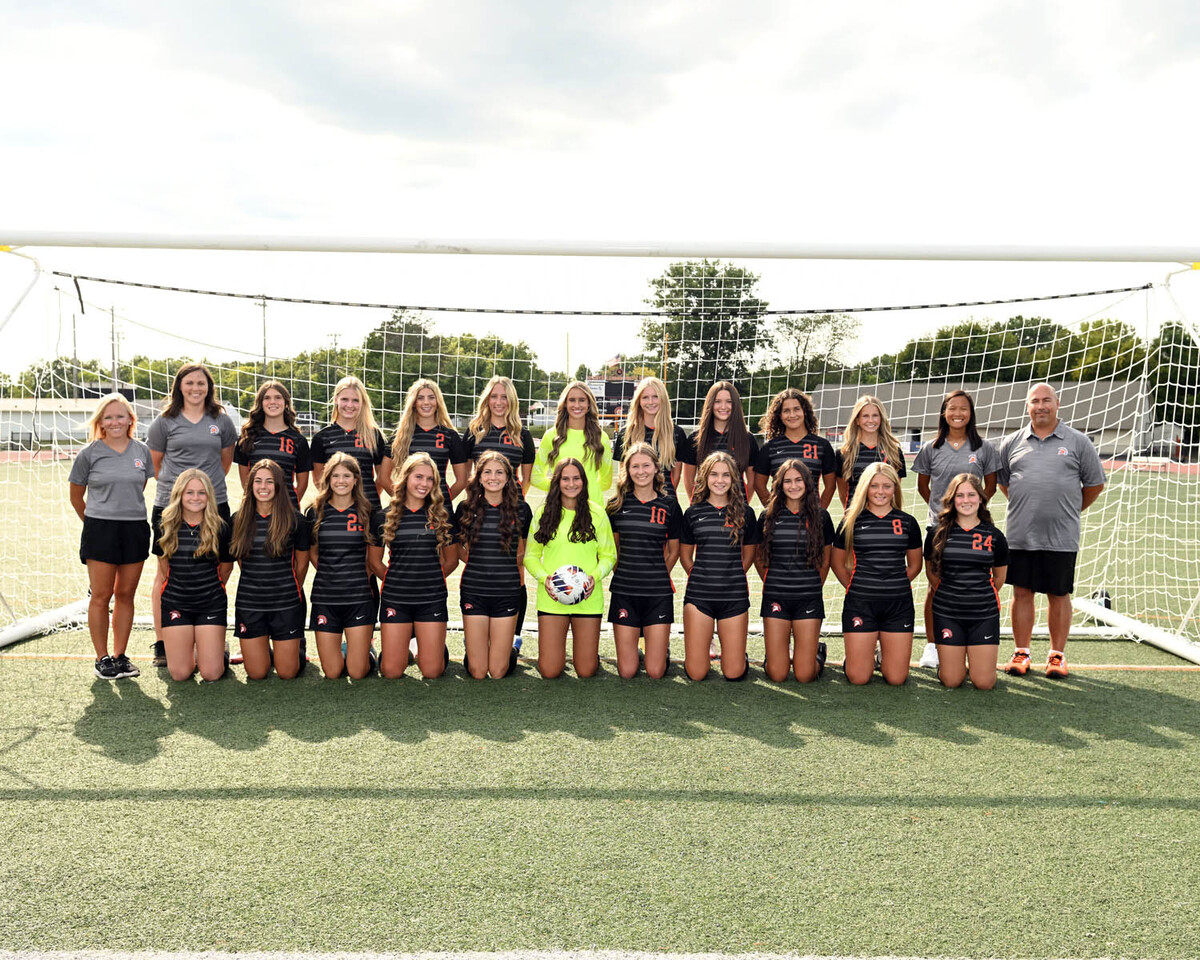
(106, 668)
(822, 653)
(512, 662)
(125, 667)
(160, 654)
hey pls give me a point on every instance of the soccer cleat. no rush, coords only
(106, 668)
(822, 653)
(1056, 665)
(517, 643)
(412, 650)
(1018, 666)
(512, 662)
(159, 658)
(124, 667)
(929, 657)
(714, 652)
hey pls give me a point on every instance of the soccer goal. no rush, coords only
(1123, 354)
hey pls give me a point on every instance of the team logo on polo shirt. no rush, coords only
(1062, 451)
(857, 621)
(972, 459)
(138, 464)
(214, 429)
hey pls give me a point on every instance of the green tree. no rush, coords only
(1174, 380)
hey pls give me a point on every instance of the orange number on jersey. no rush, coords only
(352, 523)
(658, 515)
(898, 527)
(506, 440)
(358, 442)
(440, 442)
(979, 542)
(286, 445)
(808, 452)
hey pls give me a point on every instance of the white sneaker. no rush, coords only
(412, 647)
(929, 657)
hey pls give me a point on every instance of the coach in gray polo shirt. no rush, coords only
(1050, 473)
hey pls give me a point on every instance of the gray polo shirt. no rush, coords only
(115, 482)
(1045, 480)
(184, 444)
(944, 463)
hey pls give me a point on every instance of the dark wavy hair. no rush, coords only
(253, 425)
(810, 515)
(943, 432)
(474, 507)
(582, 528)
(771, 424)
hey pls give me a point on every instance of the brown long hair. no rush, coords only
(735, 510)
(591, 425)
(257, 417)
(771, 424)
(435, 504)
(810, 515)
(948, 517)
(283, 516)
(173, 404)
(625, 482)
(358, 497)
(474, 506)
(739, 435)
(582, 528)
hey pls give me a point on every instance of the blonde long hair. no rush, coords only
(481, 423)
(859, 503)
(364, 425)
(408, 418)
(358, 496)
(625, 482)
(435, 503)
(887, 440)
(94, 430)
(663, 426)
(172, 517)
(591, 425)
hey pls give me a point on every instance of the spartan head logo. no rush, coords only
(776, 607)
(322, 620)
(622, 614)
(175, 615)
(391, 611)
(947, 633)
(857, 621)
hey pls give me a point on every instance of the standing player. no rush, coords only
(869, 439)
(793, 561)
(722, 427)
(107, 489)
(425, 428)
(192, 432)
(966, 558)
(421, 554)
(650, 422)
(354, 433)
(493, 522)
(270, 433)
(957, 448)
(717, 546)
(570, 529)
(885, 546)
(790, 430)
(1050, 473)
(271, 543)
(344, 595)
(647, 524)
(576, 433)
(194, 563)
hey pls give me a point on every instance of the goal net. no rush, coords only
(1123, 356)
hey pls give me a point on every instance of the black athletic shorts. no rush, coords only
(114, 541)
(338, 617)
(498, 607)
(891, 615)
(214, 615)
(570, 616)
(1042, 571)
(719, 609)
(286, 624)
(965, 633)
(627, 611)
(792, 608)
(435, 612)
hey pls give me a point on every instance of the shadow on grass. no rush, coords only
(128, 725)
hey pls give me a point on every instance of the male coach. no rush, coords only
(1050, 473)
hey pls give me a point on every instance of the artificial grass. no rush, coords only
(1041, 819)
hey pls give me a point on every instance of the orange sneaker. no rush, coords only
(1019, 664)
(1056, 665)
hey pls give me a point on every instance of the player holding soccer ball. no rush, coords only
(571, 531)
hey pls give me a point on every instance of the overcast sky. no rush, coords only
(979, 122)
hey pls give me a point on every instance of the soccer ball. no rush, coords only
(567, 584)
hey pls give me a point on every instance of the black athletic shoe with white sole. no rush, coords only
(160, 654)
(106, 668)
(822, 653)
(125, 667)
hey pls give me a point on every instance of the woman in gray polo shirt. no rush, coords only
(108, 483)
(193, 431)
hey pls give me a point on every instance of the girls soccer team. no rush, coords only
(638, 535)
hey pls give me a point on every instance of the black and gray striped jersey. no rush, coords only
(966, 591)
(518, 454)
(816, 453)
(342, 576)
(192, 582)
(866, 457)
(334, 439)
(414, 574)
(643, 529)
(267, 584)
(881, 546)
(720, 441)
(288, 448)
(489, 571)
(788, 572)
(717, 573)
(445, 448)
